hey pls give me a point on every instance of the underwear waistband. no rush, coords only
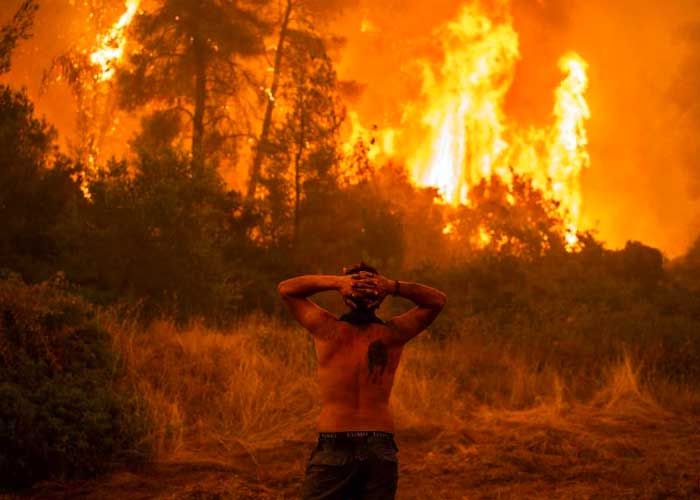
(349, 435)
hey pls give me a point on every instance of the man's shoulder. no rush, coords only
(337, 328)
(334, 329)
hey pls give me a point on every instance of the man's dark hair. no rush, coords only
(356, 268)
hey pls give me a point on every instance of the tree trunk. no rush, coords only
(254, 177)
(297, 172)
(200, 99)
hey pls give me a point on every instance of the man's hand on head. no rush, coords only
(355, 289)
(345, 287)
(376, 282)
(372, 287)
(385, 285)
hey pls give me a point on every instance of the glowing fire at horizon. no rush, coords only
(111, 45)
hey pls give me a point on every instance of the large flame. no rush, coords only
(463, 116)
(457, 133)
(568, 140)
(111, 45)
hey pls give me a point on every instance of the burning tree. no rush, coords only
(18, 29)
(187, 61)
(302, 146)
(88, 69)
(296, 17)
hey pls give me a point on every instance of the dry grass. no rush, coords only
(209, 391)
(235, 412)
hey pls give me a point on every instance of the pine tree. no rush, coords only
(296, 16)
(302, 143)
(19, 28)
(188, 61)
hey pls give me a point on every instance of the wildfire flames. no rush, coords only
(111, 45)
(464, 133)
(456, 133)
(567, 142)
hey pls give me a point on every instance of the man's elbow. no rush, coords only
(283, 288)
(440, 300)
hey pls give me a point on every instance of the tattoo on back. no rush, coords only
(377, 359)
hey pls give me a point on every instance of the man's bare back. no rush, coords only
(357, 355)
(356, 367)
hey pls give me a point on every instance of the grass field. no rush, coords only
(234, 416)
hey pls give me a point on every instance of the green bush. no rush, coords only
(63, 411)
(577, 312)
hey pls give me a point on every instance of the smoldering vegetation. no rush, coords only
(144, 352)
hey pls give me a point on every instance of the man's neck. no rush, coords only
(361, 317)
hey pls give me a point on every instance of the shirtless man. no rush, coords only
(355, 457)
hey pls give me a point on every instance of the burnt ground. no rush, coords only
(630, 451)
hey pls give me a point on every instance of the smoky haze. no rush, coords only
(644, 56)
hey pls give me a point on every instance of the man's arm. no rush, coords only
(429, 302)
(295, 293)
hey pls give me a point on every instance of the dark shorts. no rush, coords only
(352, 465)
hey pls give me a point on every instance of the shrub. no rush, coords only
(64, 411)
